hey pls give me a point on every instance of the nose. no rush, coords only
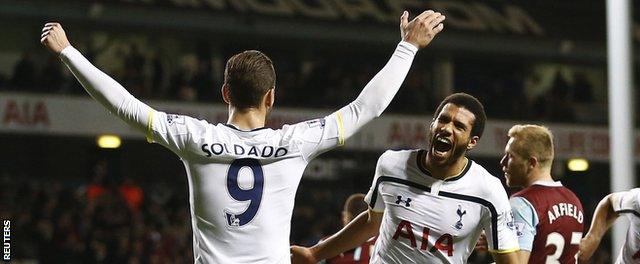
(503, 161)
(446, 128)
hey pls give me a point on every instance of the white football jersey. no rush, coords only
(242, 184)
(628, 203)
(427, 220)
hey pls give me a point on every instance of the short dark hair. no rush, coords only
(470, 103)
(248, 76)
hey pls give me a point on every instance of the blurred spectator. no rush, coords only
(24, 73)
(97, 187)
(182, 86)
(203, 81)
(51, 79)
(133, 78)
(555, 105)
(132, 194)
(582, 88)
(158, 78)
(354, 205)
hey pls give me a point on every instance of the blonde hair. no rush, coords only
(533, 141)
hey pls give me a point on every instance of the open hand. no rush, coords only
(53, 37)
(422, 29)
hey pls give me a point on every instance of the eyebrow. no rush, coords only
(456, 122)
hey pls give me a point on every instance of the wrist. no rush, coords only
(409, 46)
(594, 236)
(411, 42)
(314, 251)
(64, 51)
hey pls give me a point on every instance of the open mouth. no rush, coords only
(442, 145)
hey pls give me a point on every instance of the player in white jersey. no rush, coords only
(242, 176)
(609, 209)
(430, 206)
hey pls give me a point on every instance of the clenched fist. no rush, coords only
(54, 38)
(422, 29)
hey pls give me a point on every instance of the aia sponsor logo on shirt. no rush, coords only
(404, 234)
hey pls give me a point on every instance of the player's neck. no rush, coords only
(447, 171)
(538, 176)
(247, 119)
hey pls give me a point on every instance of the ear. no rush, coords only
(533, 162)
(226, 94)
(345, 218)
(473, 142)
(270, 98)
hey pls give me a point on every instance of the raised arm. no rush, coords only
(359, 230)
(378, 93)
(99, 85)
(603, 218)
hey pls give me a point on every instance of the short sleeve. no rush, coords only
(318, 135)
(173, 131)
(525, 220)
(373, 197)
(500, 229)
(626, 202)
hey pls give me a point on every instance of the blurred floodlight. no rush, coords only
(578, 164)
(109, 141)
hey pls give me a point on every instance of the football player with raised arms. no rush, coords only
(243, 176)
(431, 205)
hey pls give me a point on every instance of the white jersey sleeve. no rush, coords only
(500, 230)
(106, 90)
(315, 136)
(373, 197)
(626, 202)
(174, 131)
(371, 102)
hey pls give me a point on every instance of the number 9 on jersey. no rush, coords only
(253, 194)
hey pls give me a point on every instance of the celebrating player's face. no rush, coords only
(513, 166)
(450, 134)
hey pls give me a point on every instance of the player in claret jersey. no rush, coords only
(430, 206)
(354, 205)
(548, 217)
(243, 176)
(609, 209)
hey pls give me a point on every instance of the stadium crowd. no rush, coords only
(313, 81)
(101, 219)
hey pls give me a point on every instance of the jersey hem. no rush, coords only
(504, 251)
